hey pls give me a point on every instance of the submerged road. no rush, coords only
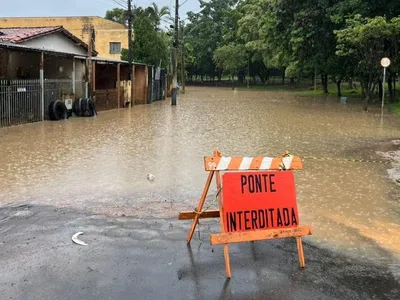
(59, 178)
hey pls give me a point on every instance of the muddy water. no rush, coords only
(101, 164)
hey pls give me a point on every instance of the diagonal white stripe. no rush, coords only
(224, 163)
(245, 164)
(287, 161)
(266, 163)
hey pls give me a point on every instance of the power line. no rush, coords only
(184, 2)
(120, 3)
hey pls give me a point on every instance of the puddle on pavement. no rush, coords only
(101, 164)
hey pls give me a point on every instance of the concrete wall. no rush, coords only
(58, 42)
(106, 31)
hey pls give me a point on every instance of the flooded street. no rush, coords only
(100, 165)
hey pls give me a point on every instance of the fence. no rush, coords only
(107, 99)
(156, 84)
(21, 100)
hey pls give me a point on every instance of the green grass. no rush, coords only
(346, 92)
(395, 108)
(307, 89)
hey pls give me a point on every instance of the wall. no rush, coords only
(141, 84)
(23, 65)
(4, 58)
(106, 31)
(57, 42)
(26, 65)
(106, 76)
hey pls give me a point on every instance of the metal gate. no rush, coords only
(20, 102)
(54, 89)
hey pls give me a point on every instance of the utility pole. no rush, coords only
(130, 39)
(183, 58)
(174, 56)
(90, 62)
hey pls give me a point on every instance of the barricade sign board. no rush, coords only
(257, 203)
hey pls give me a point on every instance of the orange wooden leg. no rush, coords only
(221, 209)
(227, 261)
(200, 206)
(300, 252)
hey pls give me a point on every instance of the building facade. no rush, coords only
(19, 64)
(108, 37)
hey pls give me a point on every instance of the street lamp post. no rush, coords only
(385, 62)
(174, 56)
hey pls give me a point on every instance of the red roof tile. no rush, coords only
(21, 34)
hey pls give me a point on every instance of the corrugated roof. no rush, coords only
(20, 34)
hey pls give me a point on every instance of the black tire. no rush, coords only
(77, 107)
(88, 108)
(85, 108)
(58, 111)
(92, 108)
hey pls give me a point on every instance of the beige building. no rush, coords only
(109, 37)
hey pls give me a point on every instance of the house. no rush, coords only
(26, 64)
(108, 37)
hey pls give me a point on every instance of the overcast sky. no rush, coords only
(44, 8)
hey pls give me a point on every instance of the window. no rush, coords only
(115, 47)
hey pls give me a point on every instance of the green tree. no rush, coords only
(366, 41)
(205, 33)
(159, 13)
(118, 15)
(231, 58)
(150, 45)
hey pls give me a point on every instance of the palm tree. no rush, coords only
(159, 13)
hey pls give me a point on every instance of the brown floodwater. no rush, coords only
(101, 164)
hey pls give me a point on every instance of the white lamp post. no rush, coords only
(385, 62)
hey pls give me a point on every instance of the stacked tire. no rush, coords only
(84, 108)
(57, 110)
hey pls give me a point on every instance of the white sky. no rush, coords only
(45, 8)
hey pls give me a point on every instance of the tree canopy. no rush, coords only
(337, 39)
(150, 44)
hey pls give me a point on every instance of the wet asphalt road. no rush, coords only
(129, 258)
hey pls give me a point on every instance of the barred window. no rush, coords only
(115, 47)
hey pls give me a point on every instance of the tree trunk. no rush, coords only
(291, 80)
(283, 75)
(351, 84)
(380, 89)
(261, 78)
(390, 85)
(363, 94)
(339, 92)
(367, 87)
(394, 87)
(366, 102)
(324, 79)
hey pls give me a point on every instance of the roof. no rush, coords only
(19, 35)
(12, 46)
(110, 60)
